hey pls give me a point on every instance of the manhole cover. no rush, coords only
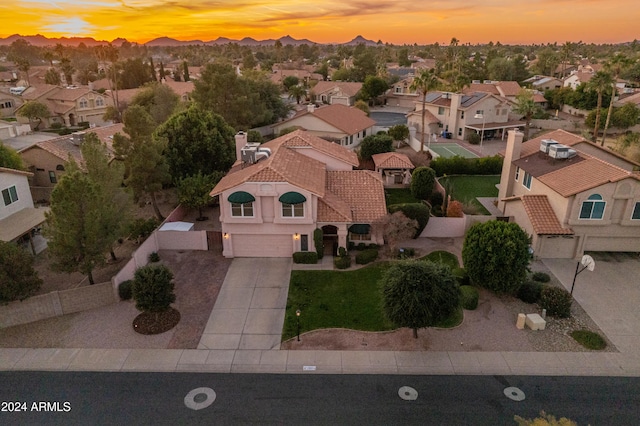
(514, 393)
(408, 393)
(199, 398)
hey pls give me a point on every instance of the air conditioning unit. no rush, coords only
(545, 144)
(559, 151)
(248, 152)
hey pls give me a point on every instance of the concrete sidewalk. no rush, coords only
(243, 335)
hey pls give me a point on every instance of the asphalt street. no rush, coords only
(190, 398)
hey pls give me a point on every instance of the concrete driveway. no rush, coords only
(249, 311)
(610, 294)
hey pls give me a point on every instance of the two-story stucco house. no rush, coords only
(18, 216)
(570, 195)
(69, 106)
(460, 114)
(272, 202)
(340, 123)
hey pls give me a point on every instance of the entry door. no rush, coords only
(304, 243)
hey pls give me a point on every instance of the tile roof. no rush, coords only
(348, 88)
(482, 87)
(332, 209)
(542, 217)
(562, 136)
(362, 190)
(349, 120)
(508, 88)
(429, 118)
(582, 176)
(302, 139)
(284, 165)
(64, 94)
(392, 160)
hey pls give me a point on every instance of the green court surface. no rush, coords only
(448, 150)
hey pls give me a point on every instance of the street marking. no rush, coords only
(514, 393)
(408, 393)
(199, 398)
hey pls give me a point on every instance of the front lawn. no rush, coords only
(466, 188)
(346, 299)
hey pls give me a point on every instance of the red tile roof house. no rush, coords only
(69, 106)
(331, 92)
(47, 159)
(345, 125)
(570, 195)
(271, 203)
(394, 168)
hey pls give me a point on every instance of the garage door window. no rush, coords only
(593, 208)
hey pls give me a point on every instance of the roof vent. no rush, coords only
(545, 144)
(77, 138)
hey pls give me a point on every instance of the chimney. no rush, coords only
(241, 141)
(90, 84)
(507, 178)
(311, 108)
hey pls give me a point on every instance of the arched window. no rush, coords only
(593, 207)
(99, 102)
(60, 167)
(84, 103)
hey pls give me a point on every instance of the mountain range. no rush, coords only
(42, 41)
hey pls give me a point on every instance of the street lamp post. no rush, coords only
(298, 320)
(478, 116)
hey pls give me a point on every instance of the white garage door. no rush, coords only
(612, 244)
(262, 245)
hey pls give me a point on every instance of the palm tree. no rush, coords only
(526, 106)
(615, 66)
(296, 92)
(600, 82)
(423, 83)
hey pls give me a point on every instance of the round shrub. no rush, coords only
(474, 138)
(461, 276)
(541, 277)
(469, 297)
(557, 301)
(124, 290)
(530, 291)
(366, 256)
(423, 180)
(154, 257)
(342, 262)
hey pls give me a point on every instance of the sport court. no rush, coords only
(448, 150)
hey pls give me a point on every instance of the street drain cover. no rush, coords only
(514, 393)
(200, 398)
(408, 393)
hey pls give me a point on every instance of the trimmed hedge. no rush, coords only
(306, 257)
(461, 275)
(530, 291)
(417, 211)
(342, 262)
(366, 256)
(467, 166)
(469, 297)
(317, 241)
(125, 290)
(557, 301)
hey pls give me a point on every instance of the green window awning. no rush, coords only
(292, 198)
(359, 228)
(241, 197)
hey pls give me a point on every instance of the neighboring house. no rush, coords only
(271, 204)
(460, 114)
(69, 106)
(331, 92)
(394, 168)
(342, 124)
(542, 82)
(9, 103)
(18, 216)
(401, 95)
(47, 159)
(181, 88)
(588, 201)
(12, 129)
(576, 79)
(506, 89)
(305, 76)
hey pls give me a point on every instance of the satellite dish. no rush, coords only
(588, 262)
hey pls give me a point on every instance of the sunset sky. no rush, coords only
(328, 21)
